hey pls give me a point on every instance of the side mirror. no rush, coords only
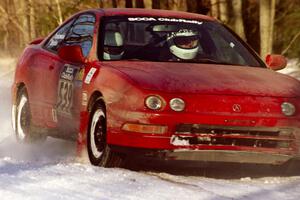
(71, 53)
(276, 62)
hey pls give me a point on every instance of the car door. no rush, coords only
(51, 65)
(68, 100)
(43, 72)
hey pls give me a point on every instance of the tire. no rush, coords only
(24, 129)
(100, 154)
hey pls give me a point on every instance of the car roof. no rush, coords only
(153, 13)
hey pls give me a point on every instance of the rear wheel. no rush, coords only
(100, 154)
(24, 129)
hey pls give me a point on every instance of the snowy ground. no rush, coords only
(49, 171)
(292, 69)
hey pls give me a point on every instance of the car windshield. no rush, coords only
(173, 40)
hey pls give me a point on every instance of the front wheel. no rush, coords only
(99, 152)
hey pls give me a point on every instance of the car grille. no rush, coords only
(195, 134)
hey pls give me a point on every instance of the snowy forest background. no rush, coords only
(269, 26)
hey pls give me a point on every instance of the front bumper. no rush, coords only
(211, 138)
(209, 156)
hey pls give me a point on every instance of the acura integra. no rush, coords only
(130, 83)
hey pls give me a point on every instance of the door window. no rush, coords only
(55, 41)
(82, 33)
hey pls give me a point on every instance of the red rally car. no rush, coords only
(160, 84)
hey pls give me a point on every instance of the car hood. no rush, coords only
(174, 77)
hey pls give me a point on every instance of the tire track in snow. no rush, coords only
(171, 179)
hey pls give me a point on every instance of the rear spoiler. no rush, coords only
(37, 41)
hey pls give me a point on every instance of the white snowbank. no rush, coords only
(292, 68)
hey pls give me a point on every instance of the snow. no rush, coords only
(292, 68)
(50, 171)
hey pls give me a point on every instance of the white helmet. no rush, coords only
(184, 44)
(113, 45)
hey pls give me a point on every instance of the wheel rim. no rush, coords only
(22, 118)
(97, 134)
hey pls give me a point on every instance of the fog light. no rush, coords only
(153, 102)
(145, 128)
(288, 109)
(177, 104)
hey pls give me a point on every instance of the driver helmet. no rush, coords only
(113, 45)
(183, 44)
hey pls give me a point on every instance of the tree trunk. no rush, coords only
(128, 3)
(266, 15)
(164, 4)
(223, 11)
(32, 20)
(5, 39)
(114, 3)
(198, 6)
(148, 4)
(24, 24)
(101, 4)
(238, 24)
(155, 4)
(107, 4)
(214, 8)
(177, 5)
(59, 14)
(121, 3)
(251, 23)
(139, 4)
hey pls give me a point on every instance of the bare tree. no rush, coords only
(164, 4)
(223, 8)
(60, 18)
(198, 6)
(215, 11)
(267, 13)
(128, 4)
(177, 5)
(155, 4)
(139, 4)
(237, 19)
(291, 43)
(107, 3)
(148, 4)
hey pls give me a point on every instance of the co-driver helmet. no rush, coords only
(113, 45)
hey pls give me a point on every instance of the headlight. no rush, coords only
(153, 102)
(177, 104)
(288, 109)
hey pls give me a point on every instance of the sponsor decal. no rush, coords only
(54, 115)
(53, 43)
(59, 37)
(79, 75)
(65, 89)
(68, 73)
(162, 19)
(56, 39)
(90, 75)
(84, 101)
